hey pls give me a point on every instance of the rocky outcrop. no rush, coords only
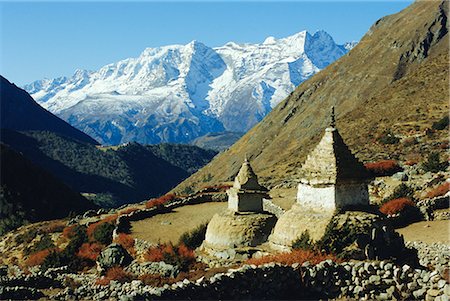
(113, 255)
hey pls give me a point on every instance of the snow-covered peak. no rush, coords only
(269, 41)
(177, 93)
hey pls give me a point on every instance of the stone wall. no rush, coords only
(375, 280)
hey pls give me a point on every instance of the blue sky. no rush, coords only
(51, 39)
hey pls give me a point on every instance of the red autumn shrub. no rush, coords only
(180, 255)
(160, 201)
(154, 254)
(115, 273)
(103, 281)
(90, 251)
(118, 274)
(296, 256)
(185, 252)
(395, 206)
(411, 162)
(38, 257)
(126, 241)
(383, 168)
(69, 231)
(439, 191)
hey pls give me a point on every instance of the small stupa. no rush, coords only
(331, 179)
(244, 224)
(247, 194)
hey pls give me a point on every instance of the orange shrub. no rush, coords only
(160, 201)
(126, 241)
(38, 257)
(181, 255)
(395, 206)
(118, 274)
(68, 232)
(154, 254)
(103, 281)
(128, 210)
(383, 168)
(296, 256)
(115, 273)
(90, 251)
(439, 191)
(185, 252)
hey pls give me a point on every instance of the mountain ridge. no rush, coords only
(178, 93)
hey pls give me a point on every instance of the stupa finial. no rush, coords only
(333, 118)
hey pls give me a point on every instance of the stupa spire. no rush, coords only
(333, 118)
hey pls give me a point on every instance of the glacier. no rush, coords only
(178, 93)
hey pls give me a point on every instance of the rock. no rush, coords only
(419, 294)
(89, 213)
(441, 283)
(401, 176)
(113, 255)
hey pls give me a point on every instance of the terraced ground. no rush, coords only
(427, 232)
(170, 226)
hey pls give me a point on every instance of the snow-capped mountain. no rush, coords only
(180, 92)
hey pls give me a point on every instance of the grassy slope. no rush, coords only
(396, 77)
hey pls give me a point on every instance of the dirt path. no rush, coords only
(428, 232)
(170, 226)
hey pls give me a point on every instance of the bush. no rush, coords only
(396, 206)
(304, 242)
(90, 251)
(401, 191)
(115, 273)
(103, 233)
(441, 124)
(194, 238)
(296, 256)
(38, 258)
(180, 255)
(68, 232)
(335, 239)
(155, 280)
(383, 168)
(439, 191)
(26, 237)
(126, 241)
(160, 201)
(388, 138)
(68, 255)
(44, 243)
(434, 164)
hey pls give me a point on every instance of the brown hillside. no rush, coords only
(396, 78)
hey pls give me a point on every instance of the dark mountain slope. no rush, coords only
(128, 174)
(29, 193)
(20, 112)
(395, 79)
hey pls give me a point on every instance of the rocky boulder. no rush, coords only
(113, 255)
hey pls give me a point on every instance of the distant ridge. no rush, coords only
(20, 112)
